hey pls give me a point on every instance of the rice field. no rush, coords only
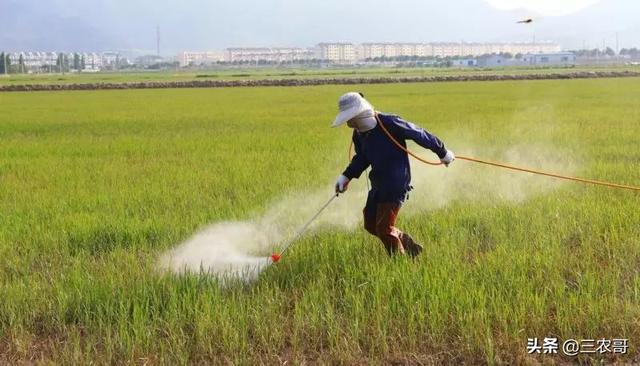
(95, 186)
(248, 73)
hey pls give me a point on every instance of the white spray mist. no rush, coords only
(240, 250)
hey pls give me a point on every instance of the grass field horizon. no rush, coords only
(97, 185)
(247, 73)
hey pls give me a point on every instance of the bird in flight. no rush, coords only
(525, 21)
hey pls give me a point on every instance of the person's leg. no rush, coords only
(386, 214)
(390, 234)
(413, 248)
(369, 213)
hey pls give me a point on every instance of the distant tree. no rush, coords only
(595, 52)
(2, 62)
(587, 53)
(62, 63)
(7, 62)
(631, 52)
(610, 52)
(76, 61)
(59, 62)
(82, 63)
(21, 65)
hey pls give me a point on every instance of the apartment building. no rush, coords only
(337, 52)
(111, 60)
(42, 61)
(33, 60)
(92, 61)
(451, 49)
(283, 54)
(199, 58)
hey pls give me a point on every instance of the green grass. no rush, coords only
(279, 73)
(94, 186)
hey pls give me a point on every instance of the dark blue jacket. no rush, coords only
(390, 172)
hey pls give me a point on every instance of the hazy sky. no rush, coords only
(215, 24)
(544, 7)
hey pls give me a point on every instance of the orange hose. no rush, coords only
(554, 175)
(402, 147)
(500, 165)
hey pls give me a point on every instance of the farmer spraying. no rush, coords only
(390, 174)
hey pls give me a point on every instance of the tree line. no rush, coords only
(608, 52)
(64, 63)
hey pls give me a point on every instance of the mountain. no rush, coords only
(203, 24)
(27, 25)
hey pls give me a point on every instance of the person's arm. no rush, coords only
(409, 131)
(422, 137)
(358, 163)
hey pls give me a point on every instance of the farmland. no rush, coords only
(96, 185)
(284, 73)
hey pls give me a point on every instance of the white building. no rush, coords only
(293, 54)
(464, 62)
(92, 61)
(188, 58)
(111, 60)
(337, 52)
(48, 61)
(448, 49)
(34, 61)
(268, 54)
(550, 59)
(494, 61)
(375, 50)
(148, 60)
(246, 54)
(40, 59)
(530, 59)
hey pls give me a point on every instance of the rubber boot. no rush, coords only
(412, 248)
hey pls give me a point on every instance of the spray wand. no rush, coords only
(275, 257)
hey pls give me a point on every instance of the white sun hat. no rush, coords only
(351, 105)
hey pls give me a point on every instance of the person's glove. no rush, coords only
(448, 159)
(342, 184)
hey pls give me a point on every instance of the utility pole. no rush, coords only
(158, 40)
